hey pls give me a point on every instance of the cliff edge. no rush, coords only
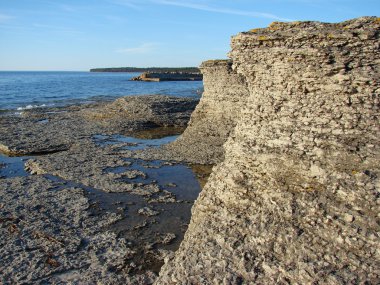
(213, 120)
(296, 199)
(215, 117)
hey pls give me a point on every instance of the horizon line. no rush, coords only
(88, 70)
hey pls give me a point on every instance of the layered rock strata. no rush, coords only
(296, 200)
(214, 118)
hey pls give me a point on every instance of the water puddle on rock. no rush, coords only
(152, 225)
(132, 143)
(12, 166)
(43, 121)
(163, 224)
(178, 179)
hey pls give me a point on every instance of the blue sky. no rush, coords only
(79, 35)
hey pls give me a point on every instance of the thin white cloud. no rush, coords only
(207, 8)
(5, 18)
(137, 5)
(143, 48)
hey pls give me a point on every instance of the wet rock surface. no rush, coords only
(91, 212)
(49, 130)
(296, 200)
(49, 235)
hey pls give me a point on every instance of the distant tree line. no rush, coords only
(147, 69)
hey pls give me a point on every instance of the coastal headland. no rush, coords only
(168, 76)
(288, 126)
(157, 74)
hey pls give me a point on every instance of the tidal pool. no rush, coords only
(150, 235)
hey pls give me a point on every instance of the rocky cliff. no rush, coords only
(296, 199)
(214, 118)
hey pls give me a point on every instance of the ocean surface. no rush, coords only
(25, 90)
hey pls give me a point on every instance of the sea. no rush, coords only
(21, 90)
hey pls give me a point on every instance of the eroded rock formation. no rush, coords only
(296, 199)
(215, 116)
(213, 120)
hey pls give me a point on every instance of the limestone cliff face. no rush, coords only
(296, 199)
(215, 117)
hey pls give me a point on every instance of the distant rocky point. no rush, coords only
(169, 76)
(156, 74)
(147, 69)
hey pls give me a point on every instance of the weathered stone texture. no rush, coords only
(225, 93)
(296, 199)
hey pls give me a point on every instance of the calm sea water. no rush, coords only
(19, 90)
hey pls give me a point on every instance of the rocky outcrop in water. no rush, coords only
(145, 69)
(168, 76)
(296, 200)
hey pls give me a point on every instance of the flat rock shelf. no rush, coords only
(91, 211)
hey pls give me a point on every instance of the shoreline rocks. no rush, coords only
(213, 120)
(48, 235)
(296, 200)
(62, 127)
(124, 217)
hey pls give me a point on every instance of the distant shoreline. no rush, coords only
(147, 69)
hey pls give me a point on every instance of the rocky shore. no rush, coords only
(291, 122)
(80, 207)
(48, 130)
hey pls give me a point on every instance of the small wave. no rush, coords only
(28, 107)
